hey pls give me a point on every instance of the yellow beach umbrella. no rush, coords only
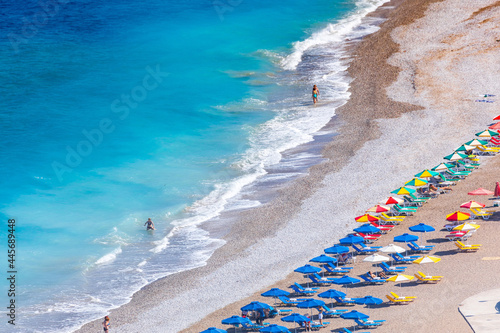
(426, 260)
(467, 226)
(400, 278)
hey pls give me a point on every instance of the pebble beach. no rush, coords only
(416, 95)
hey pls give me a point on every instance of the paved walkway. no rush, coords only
(482, 311)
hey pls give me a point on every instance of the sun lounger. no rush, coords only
(319, 281)
(345, 300)
(485, 214)
(449, 179)
(403, 259)
(414, 247)
(369, 280)
(467, 247)
(459, 174)
(404, 210)
(482, 150)
(249, 326)
(349, 331)
(458, 235)
(316, 326)
(394, 300)
(368, 237)
(410, 202)
(368, 323)
(391, 269)
(299, 290)
(363, 250)
(333, 266)
(283, 312)
(383, 227)
(336, 270)
(291, 301)
(396, 296)
(427, 278)
(392, 219)
(332, 313)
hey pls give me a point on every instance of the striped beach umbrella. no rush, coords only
(486, 134)
(393, 200)
(378, 209)
(416, 182)
(427, 174)
(472, 204)
(476, 143)
(467, 227)
(403, 190)
(366, 218)
(495, 126)
(481, 191)
(465, 148)
(426, 260)
(457, 216)
(455, 157)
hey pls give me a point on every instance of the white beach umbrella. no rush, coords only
(376, 258)
(391, 248)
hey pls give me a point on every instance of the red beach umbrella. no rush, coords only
(497, 117)
(481, 191)
(495, 126)
(497, 190)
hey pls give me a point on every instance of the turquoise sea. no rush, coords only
(116, 111)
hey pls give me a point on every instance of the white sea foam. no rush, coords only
(333, 32)
(109, 257)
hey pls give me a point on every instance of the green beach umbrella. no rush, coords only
(476, 142)
(427, 174)
(486, 134)
(465, 148)
(403, 190)
(455, 157)
(416, 182)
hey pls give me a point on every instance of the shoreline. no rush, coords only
(265, 222)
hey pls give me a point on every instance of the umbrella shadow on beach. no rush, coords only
(437, 240)
(446, 253)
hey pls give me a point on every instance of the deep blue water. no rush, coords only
(116, 111)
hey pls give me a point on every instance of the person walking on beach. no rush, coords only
(106, 325)
(315, 94)
(150, 225)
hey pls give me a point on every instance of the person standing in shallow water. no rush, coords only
(315, 94)
(150, 224)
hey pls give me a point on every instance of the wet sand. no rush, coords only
(412, 102)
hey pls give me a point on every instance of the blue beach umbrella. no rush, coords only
(235, 321)
(337, 249)
(275, 292)
(354, 315)
(351, 239)
(368, 300)
(295, 318)
(308, 269)
(421, 227)
(273, 328)
(310, 303)
(214, 330)
(345, 280)
(331, 293)
(255, 306)
(405, 238)
(367, 229)
(323, 259)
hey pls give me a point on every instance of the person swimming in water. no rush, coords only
(315, 94)
(150, 224)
